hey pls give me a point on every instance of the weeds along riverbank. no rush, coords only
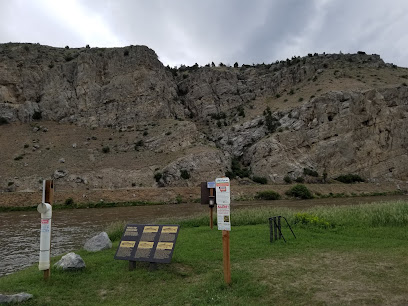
(342, 255)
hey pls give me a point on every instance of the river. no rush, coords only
(20, 231)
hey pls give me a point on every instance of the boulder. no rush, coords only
(98, 243)
(71, 261)
(15, 298)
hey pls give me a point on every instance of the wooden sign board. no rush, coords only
(151, 243)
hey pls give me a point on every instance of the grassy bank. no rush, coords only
(342, 255)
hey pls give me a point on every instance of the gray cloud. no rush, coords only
(189, 31)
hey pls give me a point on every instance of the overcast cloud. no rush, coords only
(202, 31)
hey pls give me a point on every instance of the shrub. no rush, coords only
(105, 149)
(179, 199)
(236, 170)
(349, 178)
(268, 195)
(310, 172)
(184, 174)
(68, 57)
(260, 180)
(10, 184)
(37, 115)
(311, 220)
(241, 111)
(3, 121)
(300, 99)
(26, 146)
(271, 122)
(145, 133)
(69, 202)
(126, 52)
(299, 191)
(115, 230)
(299, 180)
(20, 157)
(139, 144)
(158, 176)
(287, 179)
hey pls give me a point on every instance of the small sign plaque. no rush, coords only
(210, 184)
(151, 243)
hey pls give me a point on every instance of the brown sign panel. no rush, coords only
(151, 243)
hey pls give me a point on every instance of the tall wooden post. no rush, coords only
(226, 256)
(49, 198)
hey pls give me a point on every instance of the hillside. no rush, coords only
(117, 118)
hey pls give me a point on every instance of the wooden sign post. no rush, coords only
(222, 189)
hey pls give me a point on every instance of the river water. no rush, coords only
(20, 231)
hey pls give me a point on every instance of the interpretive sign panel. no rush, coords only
(151, 243)
(222, 189)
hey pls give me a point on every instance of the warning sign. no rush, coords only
(222, 189)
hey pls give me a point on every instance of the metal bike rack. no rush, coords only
(275, 228)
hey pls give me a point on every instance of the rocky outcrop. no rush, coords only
(98, 243)
(159, 126)
(15, 298)
(70, 262)
(93, 87)
(341, 132)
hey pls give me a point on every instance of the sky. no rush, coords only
(205, 31)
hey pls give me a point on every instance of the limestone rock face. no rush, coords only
(158, 126)
(98, 243)
(194, 168)
(339, 133)
(70, 261)
(92, 87)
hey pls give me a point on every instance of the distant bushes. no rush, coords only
(299, 191)
(236, 170)
(3, 121)
(310, 172)
(349, 178)
(184, 174)
(260, 180)
(268, 195)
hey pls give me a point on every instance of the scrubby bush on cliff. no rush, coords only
(310, 172)
(287, 179)
(271, 122)
(158, 176)
(236, 170)
(3, 121)
(184, 174)
(260, 180)
(299, 191)
(349, 178)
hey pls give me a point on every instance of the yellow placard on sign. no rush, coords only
(145, 245)
(169, 229)
(131, 229)
(164, 246)
(150, 229)
(127, 244)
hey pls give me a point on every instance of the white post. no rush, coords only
(45, 210)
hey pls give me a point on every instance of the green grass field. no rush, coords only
(342, 255)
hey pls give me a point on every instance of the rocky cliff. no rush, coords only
(112, 118)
